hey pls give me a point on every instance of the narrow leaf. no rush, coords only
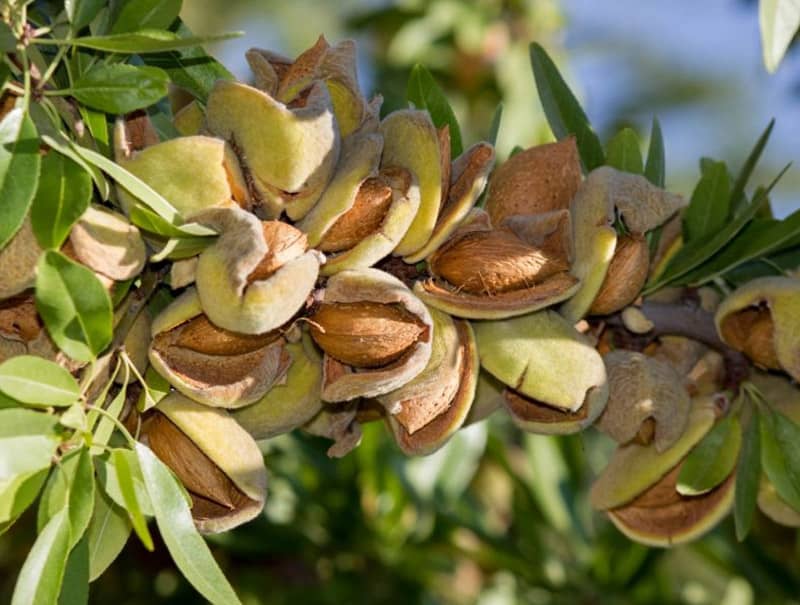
(747, 478)
(712, 460)
(737, 193)
(8, 41)
(190, 68)
(778, 20)
(18, 494)
(65, 147)
(19, 171)
(146, 14)
(125, 478)
(562, 109)
(64, 193)
(146, 219)
(694, 254)
(655, 167)
(75, 587)
(494, 128)
(710, 204)
(74, 306)
(81, 12)
(40, 578)
(105, 426)
(120, 88)
(188, 549)
(107, 534)
(425, 93)
(132, 184)
(70, 485)
(624, 152)
(780, 456)
(38, 381)
(144, 41)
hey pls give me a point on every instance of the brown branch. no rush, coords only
(690, 320)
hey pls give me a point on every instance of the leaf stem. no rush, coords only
(129, 438)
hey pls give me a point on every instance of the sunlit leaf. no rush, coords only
(562, 109)
(779, 20)
(74, 306)
(107, 534)
(119, 88)
(63, 194)
(122, 461)
(174, 519)
(40, 578)
(738, 198)
(17, 494)
(107, 476)
(624, 152)
(27, 442)
(144, 41)
(19, 170)
(38, 381)
(70, 485)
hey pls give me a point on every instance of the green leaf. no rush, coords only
(562, 109)
(81, 12)
(64, 193)
(156, 388)
(105, 426)
(18, 494)
(738, 198)
(778, 20)
(37, 381)
(177, 248)
(624, 152)
(780, 456)
(425, 93)
(70, 485)
(97, 122)
(190, 68)
(694, 254)
(146, 219)
(122, 461)
(709, 207)
(66, 147)
(8, 41)
(711, 460)
(108, 477)
(26, 445)
(107, 534)
(146, 14)
(188, 549)
(74, 306)
(132, 184)
(747, 478)
(19, 171)
(655, 167)
(75, 587)
(119, 88)
(74, 418)
(494, 128)
(144, 41)
(776, 264)
(40, 578)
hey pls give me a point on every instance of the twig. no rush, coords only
(690, 320)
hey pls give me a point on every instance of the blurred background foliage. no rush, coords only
(496, 517)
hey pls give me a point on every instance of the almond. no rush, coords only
(364, 218)
(284, 243)
(201, 336)
(625, 276)
(489, 262)
(365, 334)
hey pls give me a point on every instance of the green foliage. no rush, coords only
(780, 456)
(712, 460)
(74, 305)
(747, 478)
(19, 170)
(38, 382)
(425, 93)
(562, 109)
